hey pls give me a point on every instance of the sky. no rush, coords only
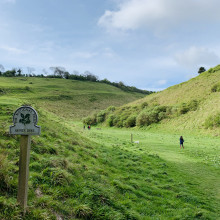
(150, 44)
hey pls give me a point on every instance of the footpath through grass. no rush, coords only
(195, 169)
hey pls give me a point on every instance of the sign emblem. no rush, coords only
(25, 119)
(25, 122)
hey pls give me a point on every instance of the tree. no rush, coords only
(58, 71)
(19, 72)
(90, 77)
(10, 73)
(66, 75)
(201, 70)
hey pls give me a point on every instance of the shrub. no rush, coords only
(143, 119)
(152, 115)
(110, 120)
(101, 117)
(131, 121)
(186, 107)
(212, 121)
(193, 105)
(90, 120)
(111, 109)
(216, 88)
(144, 104)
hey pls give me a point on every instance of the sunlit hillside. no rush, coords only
(66, 98)
(191, 105)
(76, 173)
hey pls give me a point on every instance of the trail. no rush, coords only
(200, 173)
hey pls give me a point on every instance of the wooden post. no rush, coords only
(131, 138)
(25, 144)
(25, 124)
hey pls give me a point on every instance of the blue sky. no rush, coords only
(150, 44)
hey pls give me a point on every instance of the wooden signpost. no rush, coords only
(25, 124)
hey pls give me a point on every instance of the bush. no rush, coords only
(144, 105)
(186, 107)
(213, 121)
(111, 109)
(101, 117)
(90, 120)
(110, 120)
(152, 115)
(193, 105)
(130, 122)
(216, 88)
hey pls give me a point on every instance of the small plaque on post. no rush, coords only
(25, 122)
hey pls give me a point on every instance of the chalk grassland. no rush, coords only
(75, 99)
(190, 106)
(203, 89)
(196, 168)
(99, 174)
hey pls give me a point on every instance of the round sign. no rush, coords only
(25, 121)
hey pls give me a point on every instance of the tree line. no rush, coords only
(60, 72)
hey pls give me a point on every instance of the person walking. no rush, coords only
(181, 142)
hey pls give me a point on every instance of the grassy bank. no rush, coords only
(193, 105)
(100, 174)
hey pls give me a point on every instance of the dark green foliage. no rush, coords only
(101, 116)
(110, 120)
(61, 73)
(144, 105)
(201, 70)
(216, 88)
(213, 121)
(131, 121)
(215, 69)
(151, 115)
(186, 107)
(90, 120)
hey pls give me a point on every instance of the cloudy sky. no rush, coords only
(150, 44)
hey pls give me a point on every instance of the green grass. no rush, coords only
(100, 174)
(190, 175)
(66, 98)
(193, 105)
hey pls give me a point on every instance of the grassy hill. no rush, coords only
(100, 174)
(192, 105)
(66, 98)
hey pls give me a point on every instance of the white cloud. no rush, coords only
(12, 50)
(197, 56)
(134, 14)
(83, 55)
(162, 82)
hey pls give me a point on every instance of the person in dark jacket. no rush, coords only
(181, 142)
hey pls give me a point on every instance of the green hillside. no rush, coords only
(192, 105)
(66, 98)
(100, 174)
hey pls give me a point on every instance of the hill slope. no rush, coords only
(66, 98)
(192, 105)
(80, 174)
